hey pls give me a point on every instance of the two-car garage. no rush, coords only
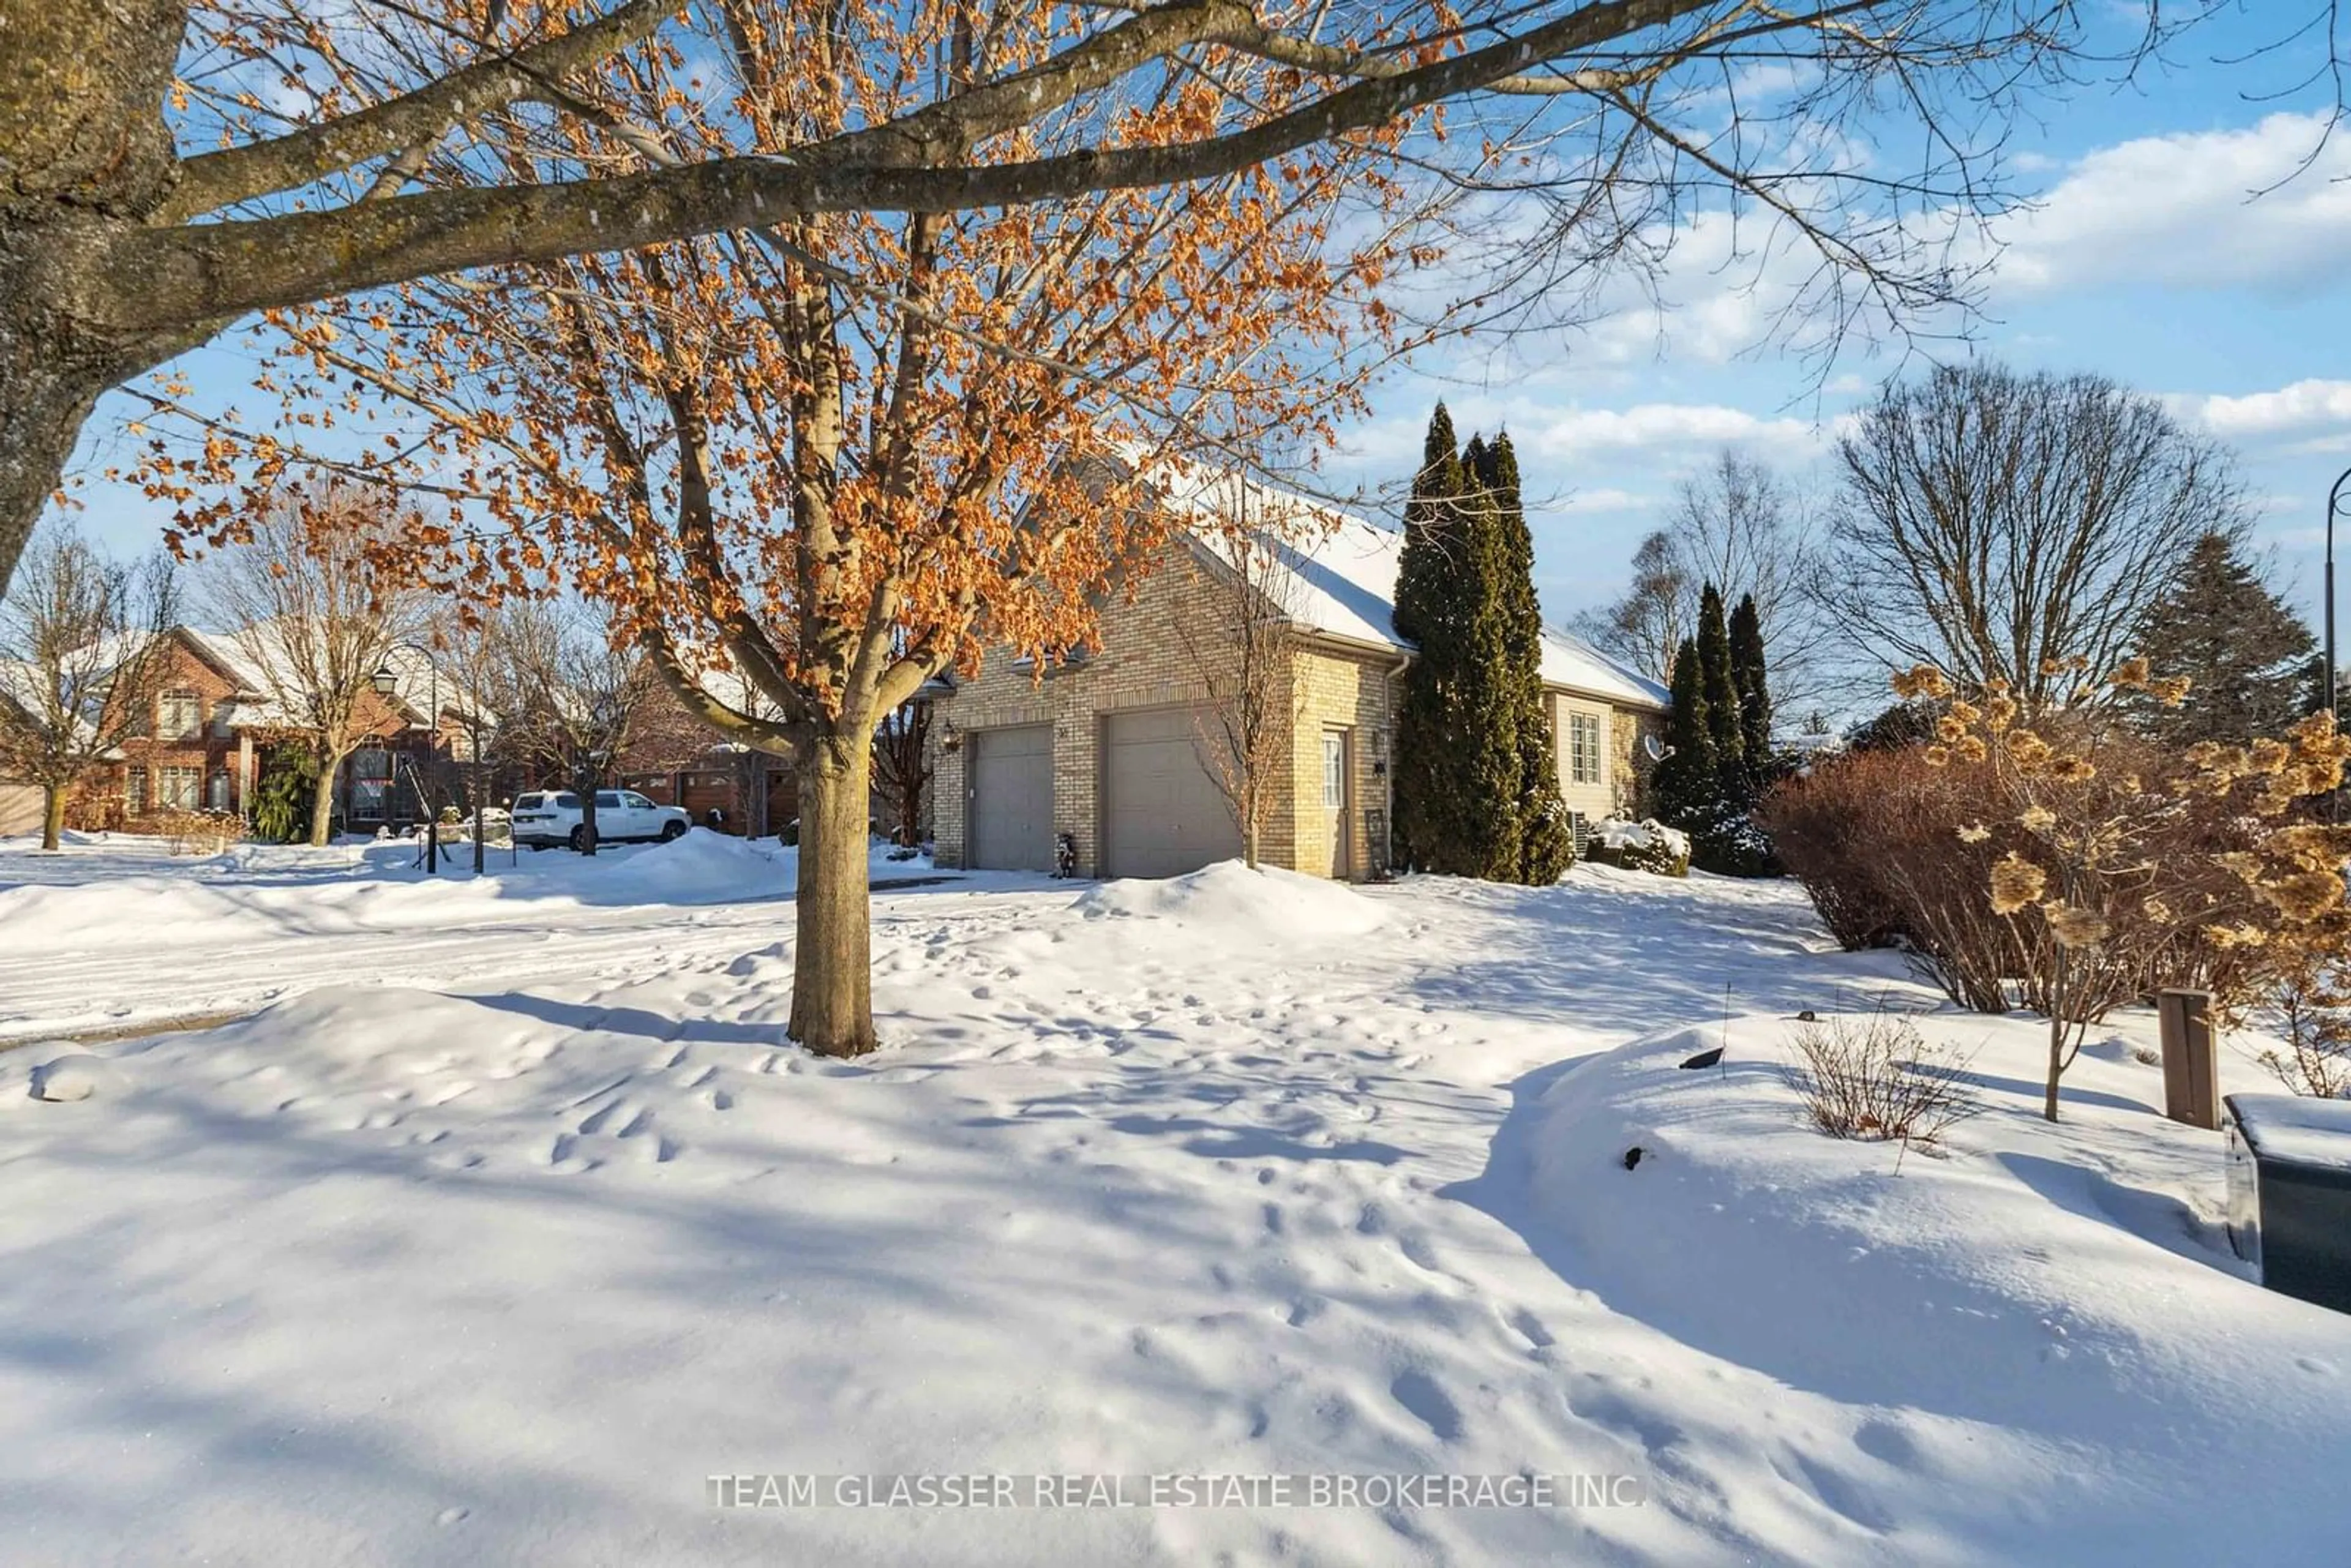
(1160, 809)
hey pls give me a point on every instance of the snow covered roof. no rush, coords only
(256, 658)
(20, 683)
(1338, 574)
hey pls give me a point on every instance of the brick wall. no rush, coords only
(1145, 661)
(211, 752)
(1350, 694)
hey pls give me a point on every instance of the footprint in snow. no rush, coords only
(1530, 1328)
(1417, 1252)
(1422, 1394)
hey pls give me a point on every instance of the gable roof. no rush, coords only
(256, 659)
(1339, 575)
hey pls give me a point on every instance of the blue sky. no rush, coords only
(2149, 259)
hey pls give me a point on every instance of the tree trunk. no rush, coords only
(2056, 1039)
(82, 84)
(832, 966)
(584, 786)
(322, 802)
(41, 417)
(53, 815)
(910, 812)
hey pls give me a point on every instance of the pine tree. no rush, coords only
(1471, 710)
(1546, 848)
(1751, 675)
(1422, 577)
(2250, 655)
(1425, 616)
(1488, 823)
(1685, 781)
(1725, 727)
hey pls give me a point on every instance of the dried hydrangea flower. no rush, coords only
(2015, 882)
(2075, 926)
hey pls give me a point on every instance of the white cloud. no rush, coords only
(2206, 209)
(2305, 408)
(1603, 500)
(2194, 210)
(1700, 427)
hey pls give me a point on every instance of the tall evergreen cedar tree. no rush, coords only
(1471, 711)
(2249, 656)
(1750, 673)
(1546, 849)
(1685, 782)
(1424, 618)
(1720, 732)
(1725, 727)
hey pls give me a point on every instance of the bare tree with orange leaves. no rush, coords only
(169, 167)
(839, 456)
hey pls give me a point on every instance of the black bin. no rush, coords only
(2289, 1193)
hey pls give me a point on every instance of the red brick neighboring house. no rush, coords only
(676, 759)
(215, 721)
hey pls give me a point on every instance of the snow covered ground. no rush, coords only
(512, 1221)
(113, 930)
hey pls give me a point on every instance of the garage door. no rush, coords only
(1012, 798)
(1163, 814)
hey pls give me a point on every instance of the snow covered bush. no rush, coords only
(1877, 1078)
(1645, 845)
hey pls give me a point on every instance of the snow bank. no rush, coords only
(701, 865)
(2033, 1291)
(1234, 901)
(255, 893)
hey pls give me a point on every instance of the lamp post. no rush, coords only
(2326, 677)
(387, 683)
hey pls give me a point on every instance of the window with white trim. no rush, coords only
(134, 792)
(1583, 749)
(179, 716)
(1334, 772)
(179, 788)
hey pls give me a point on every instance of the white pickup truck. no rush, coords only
(546, 818)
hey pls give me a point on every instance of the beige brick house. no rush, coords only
(1115, 749)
